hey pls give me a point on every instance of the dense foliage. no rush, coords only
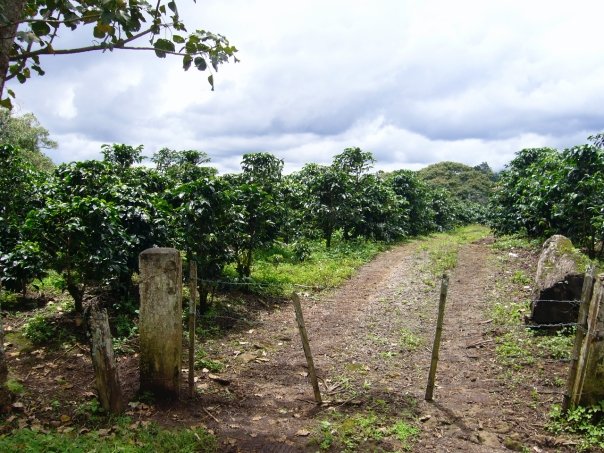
(88, 221)
(544, 191)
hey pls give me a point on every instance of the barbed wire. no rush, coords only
(264, 284)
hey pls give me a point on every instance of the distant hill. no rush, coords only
(467, 183)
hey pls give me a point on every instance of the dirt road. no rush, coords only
(371, 341)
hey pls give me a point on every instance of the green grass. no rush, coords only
(281, 271)
(442, 248)
(363, 432)
(122, 437)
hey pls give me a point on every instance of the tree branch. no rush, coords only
(46, 51)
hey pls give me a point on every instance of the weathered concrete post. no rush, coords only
(160, 322)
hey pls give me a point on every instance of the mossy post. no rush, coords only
(160, 321)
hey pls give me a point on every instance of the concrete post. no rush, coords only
(160, 321)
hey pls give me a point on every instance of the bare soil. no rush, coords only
(371, 340)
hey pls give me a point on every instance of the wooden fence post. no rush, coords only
(305, 344)
(571, 397)
(192, 310)
(444, 286)
(160, 321)
(105, 370)
(589, 384)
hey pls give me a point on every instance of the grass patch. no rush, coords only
(123, 438)
(281, 269)
(409, 340)
(442, 248)
(39, 330)
(15, 386)
(364, 432)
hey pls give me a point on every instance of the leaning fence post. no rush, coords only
(105, 369)
(192, 299)
(571, 397)
(437, 337)
(306, 346)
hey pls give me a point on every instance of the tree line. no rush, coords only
(544, 191)
(89, 220)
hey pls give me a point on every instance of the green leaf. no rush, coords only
(200, 63)
(40, 28)
(162, 46)
(178, 39)
(6, 103)
(211, 81)
(186, 62)
(172, 6)
(101, 30)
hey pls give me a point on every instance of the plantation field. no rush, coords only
(371, 337)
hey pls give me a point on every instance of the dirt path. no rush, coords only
(371, 341)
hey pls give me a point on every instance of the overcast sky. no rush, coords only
(414, 82)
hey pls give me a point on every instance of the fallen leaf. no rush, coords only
(103, 432)
(256, 418)
(65, 418)
(18, 406)
(302, 433)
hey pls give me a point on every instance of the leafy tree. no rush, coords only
(18, 195)
(579, 208)
(523, 197)
(82, 239)
(204, 215)
(470, 184)
(351, 167)
(182, 166)
(383, 212)
(419, 210)
(122, 156)
(326, 194)
(257, 201)
(26, 133)
(28, 30)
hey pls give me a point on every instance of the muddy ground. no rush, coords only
(371, 340)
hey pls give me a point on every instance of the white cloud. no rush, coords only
(413, 82)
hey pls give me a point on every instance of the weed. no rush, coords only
(39, 330)
(404, 432)
(90, 410)
(585, 422)
(558, 346)
(15, 386)
(8, 299)
(520, 278)
(202, 361)
(362, 432)
(409, 340)
(514, 351)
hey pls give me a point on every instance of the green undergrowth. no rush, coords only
(283, 268)
(364, 431)
(123, 437)
(585, 422)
